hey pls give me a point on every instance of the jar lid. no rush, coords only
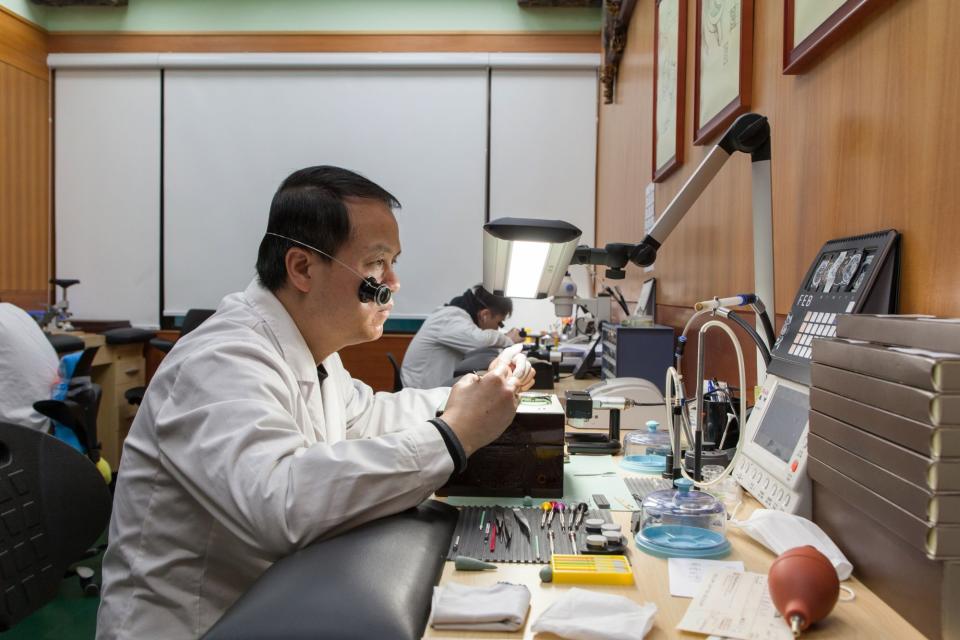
(596, 542)
(681, 502)
(593, 523)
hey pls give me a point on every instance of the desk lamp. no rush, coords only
(526, 258)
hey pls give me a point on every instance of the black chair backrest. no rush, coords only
(194, 319)
(54, 505)
(397, 380)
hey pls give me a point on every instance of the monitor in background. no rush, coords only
(647, 301)
(588, 364)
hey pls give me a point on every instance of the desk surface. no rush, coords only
(865, 617)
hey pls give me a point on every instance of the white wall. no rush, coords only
(543, 140)
(235, 126)
(231, 137)
(107, 192)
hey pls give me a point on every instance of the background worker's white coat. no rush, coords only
(28, 368)
(446, 334)
(239, 456)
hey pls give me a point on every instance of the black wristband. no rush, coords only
(454, 448)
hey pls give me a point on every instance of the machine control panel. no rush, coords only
(773, 463)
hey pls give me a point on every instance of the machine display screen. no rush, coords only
(783, 422)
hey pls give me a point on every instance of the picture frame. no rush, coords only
(669, 84)
(811, 27)
(724, 66)
(613, 36)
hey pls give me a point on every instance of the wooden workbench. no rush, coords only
(865, 617)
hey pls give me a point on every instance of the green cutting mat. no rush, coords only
(583, 476)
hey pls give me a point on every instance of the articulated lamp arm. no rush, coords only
(750, 133)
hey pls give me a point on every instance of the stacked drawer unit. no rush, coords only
(637, 352)
(116, 368)
(884, 458)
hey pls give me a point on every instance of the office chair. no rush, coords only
(191, 321)
(397, 380)
(54, 505)
(77, 411)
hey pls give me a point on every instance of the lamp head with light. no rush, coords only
(526, 258)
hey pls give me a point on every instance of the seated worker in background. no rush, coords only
(470, 321)
(28, 368)
(254, 441)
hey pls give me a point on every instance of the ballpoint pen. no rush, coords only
(456, 543)
(493, 539)
(483, 515)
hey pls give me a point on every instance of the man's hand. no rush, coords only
(514, 334)
(520, 368)
(480, 409)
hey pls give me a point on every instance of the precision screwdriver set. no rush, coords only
(523, 534)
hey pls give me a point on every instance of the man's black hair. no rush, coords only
(309, 206)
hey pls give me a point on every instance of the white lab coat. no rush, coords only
(28, 368)
(446, 334)
(239, 456)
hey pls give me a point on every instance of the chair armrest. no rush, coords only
(375, 581)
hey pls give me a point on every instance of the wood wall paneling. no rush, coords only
(368, 361)
(25, 241)
(23, 44)
(863, 141)
(227, 42)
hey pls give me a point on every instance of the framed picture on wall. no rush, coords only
(810, 27)
(724, 65)
(669, 80)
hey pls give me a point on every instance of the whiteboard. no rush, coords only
(543, 147)
(107, 192)
(232, 136)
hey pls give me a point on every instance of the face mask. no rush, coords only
(779, 531)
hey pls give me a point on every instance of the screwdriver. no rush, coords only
(546, 506)
(550, 516)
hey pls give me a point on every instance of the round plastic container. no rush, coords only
(683, 523)
(646, 451)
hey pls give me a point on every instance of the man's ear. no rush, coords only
(297, 262)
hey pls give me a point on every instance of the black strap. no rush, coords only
(454, 447)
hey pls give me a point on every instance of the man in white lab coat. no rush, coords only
(470, 321)
(253, 440)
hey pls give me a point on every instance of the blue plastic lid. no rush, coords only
(652, 425)
(682, 541)
(644, 464)
(683, 485)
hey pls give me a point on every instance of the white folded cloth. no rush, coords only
(586, 615)
(501, 607)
